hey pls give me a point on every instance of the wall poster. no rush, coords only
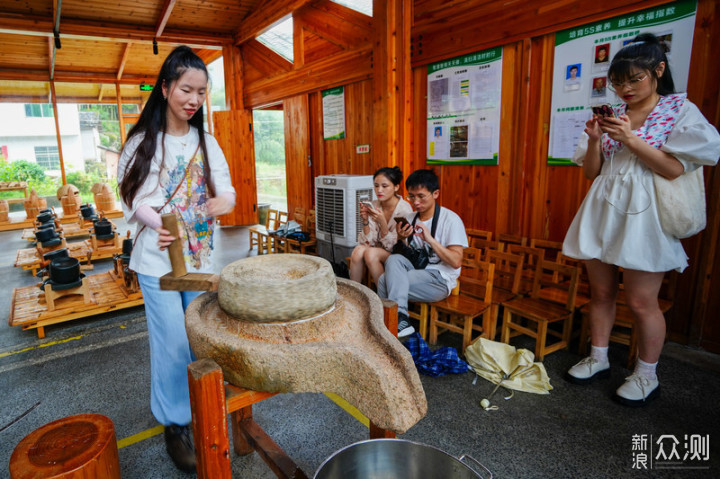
(463, 109)
(582, 59)
(333, 104)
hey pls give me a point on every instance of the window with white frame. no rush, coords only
(38, 110)
(47, 157)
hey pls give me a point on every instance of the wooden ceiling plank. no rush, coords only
(331, 28)
(123, 61)
(87, 30)
(164, 17)
(265, 59)
(264, 16)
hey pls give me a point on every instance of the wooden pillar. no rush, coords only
(118, 97)
(392, 83)
(207, 401)
(232, 63)
(57, 130)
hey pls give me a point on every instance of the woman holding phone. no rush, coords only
(617, 225)
(378, 235)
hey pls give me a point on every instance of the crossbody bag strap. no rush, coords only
(177, 188)
(436, 215)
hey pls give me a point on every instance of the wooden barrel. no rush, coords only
(105, 202)
(75, 447)
(70, 205)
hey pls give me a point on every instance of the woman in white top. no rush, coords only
(617, 225)
(379, 234)
(170, 165)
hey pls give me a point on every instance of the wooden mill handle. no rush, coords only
(177, 260)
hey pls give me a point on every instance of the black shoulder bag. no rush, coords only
(419, 257)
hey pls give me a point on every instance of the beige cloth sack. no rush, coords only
(681, 203)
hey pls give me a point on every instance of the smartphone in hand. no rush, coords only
(401, 220)
(603, 110)
(367, 204)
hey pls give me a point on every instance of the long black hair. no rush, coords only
(644, 52)
(153, 120)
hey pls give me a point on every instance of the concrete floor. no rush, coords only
(101, 365)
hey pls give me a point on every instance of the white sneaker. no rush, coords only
(404, 329)
(587, 370)
(637, 390)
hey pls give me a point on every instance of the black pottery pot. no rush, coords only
(47, 226)
(88, 212)
(103, 229)
(64, 270)
(45, 217)
(127, 246)
(45, 235)
(58, 253)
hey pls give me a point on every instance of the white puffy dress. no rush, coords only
(618, 222)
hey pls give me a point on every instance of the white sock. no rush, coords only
(599, 354)
(647, 370)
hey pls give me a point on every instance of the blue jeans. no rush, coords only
(402, 282)
(170, 351)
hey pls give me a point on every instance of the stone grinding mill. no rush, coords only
(284, 324)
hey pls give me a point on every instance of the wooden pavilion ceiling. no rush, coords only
(104, 44)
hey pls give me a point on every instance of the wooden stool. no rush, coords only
(51, 295)
(73, 447)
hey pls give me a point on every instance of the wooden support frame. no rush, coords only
(211, 400)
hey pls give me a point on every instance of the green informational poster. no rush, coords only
(463, 109)
(582, 59)
(333, 102)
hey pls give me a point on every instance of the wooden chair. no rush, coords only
(479, 234)
(258, 234)
(507, 238)
(552, 248)
(485, 245)
(303, 247)
(543, 312)
(276, 243)
(506, 283)
(532, 256)
(459, 310)
(624, 331)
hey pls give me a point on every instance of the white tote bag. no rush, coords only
(681, 203)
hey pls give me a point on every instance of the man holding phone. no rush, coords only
(445, 243)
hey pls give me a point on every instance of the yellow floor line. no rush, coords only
(51, 343)
(141, 436)
(349, 408)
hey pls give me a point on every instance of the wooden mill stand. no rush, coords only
(211, 400)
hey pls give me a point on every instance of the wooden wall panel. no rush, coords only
(297, 153)
(233, 130)
(339, 156)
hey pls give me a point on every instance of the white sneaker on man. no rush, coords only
(587, 370)
(404, 328)
(637, 391)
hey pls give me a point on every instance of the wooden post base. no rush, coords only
(51, 296)
(74, 447)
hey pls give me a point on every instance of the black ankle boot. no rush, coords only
(180, 447)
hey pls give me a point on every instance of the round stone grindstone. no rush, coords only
(277, 287)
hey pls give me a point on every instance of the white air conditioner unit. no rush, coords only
(336, 206)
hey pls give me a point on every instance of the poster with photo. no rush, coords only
(463, 103)
(582, 58)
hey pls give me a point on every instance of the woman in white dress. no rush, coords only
(617, 224)
(379, 234)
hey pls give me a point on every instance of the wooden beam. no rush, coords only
(100, 92)
(74, 77)
(164, 17)
(339, 69)
(264, 59)
(121, 67)
(51, 57)
(264, 16)
(88, 30)
(53, 100)
(233, 71)
(118, 98)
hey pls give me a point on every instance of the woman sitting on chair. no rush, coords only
(378, 235)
